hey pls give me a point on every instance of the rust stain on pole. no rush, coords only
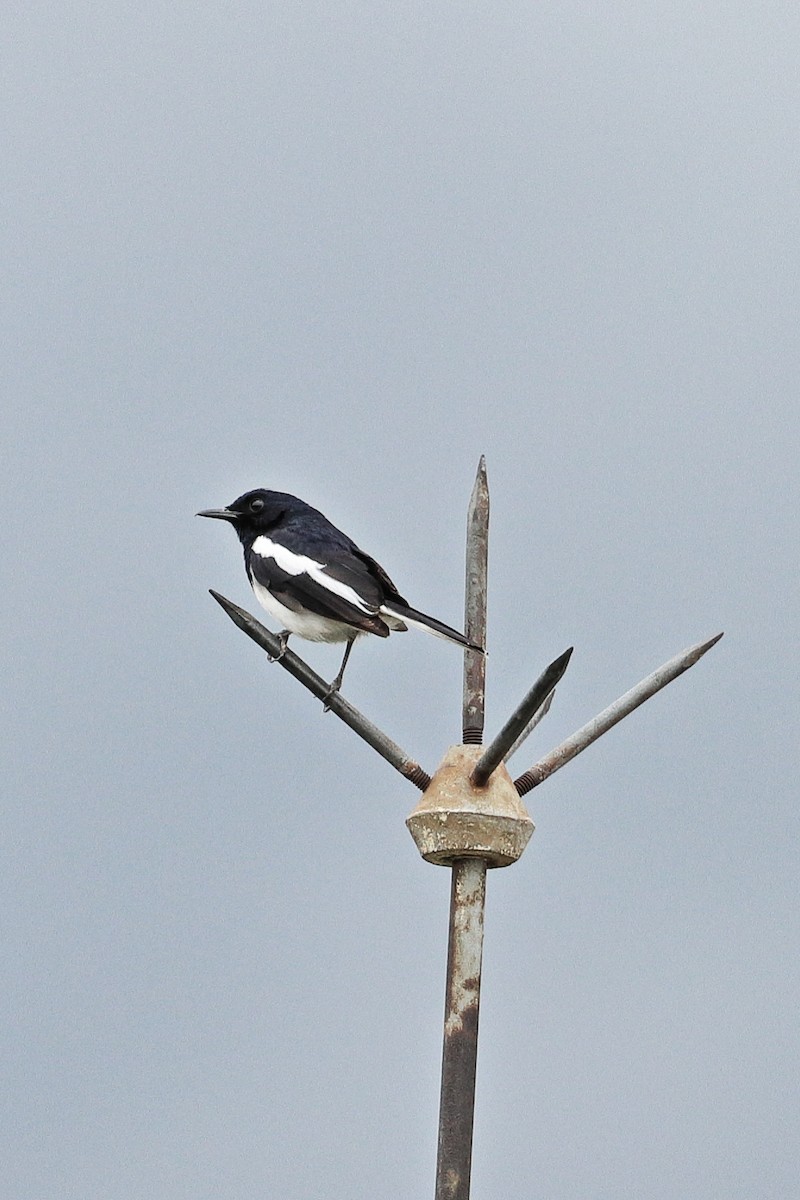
(475, 608)
(460, 1052)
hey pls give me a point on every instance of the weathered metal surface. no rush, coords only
(301, 671)
(460, 1049)
(454, 819)
(474, 693)
(615, 712)
(470, 817)
(541, 711)
(496, 751)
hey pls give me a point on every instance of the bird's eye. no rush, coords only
(256, 505)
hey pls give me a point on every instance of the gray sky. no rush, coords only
(341, 250)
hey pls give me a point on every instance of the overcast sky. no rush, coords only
(342, 249)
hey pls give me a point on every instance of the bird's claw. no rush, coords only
(283, 638)
(332, 691)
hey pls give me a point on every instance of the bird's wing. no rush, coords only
(376, 572)
(340, 589)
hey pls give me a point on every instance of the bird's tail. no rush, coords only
(422, 621)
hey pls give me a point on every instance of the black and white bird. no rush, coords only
(314, 580)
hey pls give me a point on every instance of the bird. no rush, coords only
(315, 581)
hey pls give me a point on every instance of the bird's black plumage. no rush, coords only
(314, 579)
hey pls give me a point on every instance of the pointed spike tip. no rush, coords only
(238, 615)
(223, 601)
(612, 715)
(558, 666)
(698, 651)
(481, 481)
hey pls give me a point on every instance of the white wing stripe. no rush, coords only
(301, 564)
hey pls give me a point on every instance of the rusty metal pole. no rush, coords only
(474, 691)
(460, 1053)
(471, 816)
(467, 895)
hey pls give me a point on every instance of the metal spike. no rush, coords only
(474, 692)
(316, 684)
(615, 712)
(497, 750)
(541, 711)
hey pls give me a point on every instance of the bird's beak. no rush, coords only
(222, 514)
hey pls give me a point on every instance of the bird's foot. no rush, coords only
(337, 683)
(332, 691)
(283, 638)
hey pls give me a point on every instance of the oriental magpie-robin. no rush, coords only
(314, 580)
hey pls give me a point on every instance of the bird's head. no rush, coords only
(251, 513)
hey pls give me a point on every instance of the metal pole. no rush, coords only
(460, 1051)
(474, 691)
(467, 893)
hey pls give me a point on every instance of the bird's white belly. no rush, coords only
(306, 625)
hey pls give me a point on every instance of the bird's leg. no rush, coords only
(337, 683)
(283, 638)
